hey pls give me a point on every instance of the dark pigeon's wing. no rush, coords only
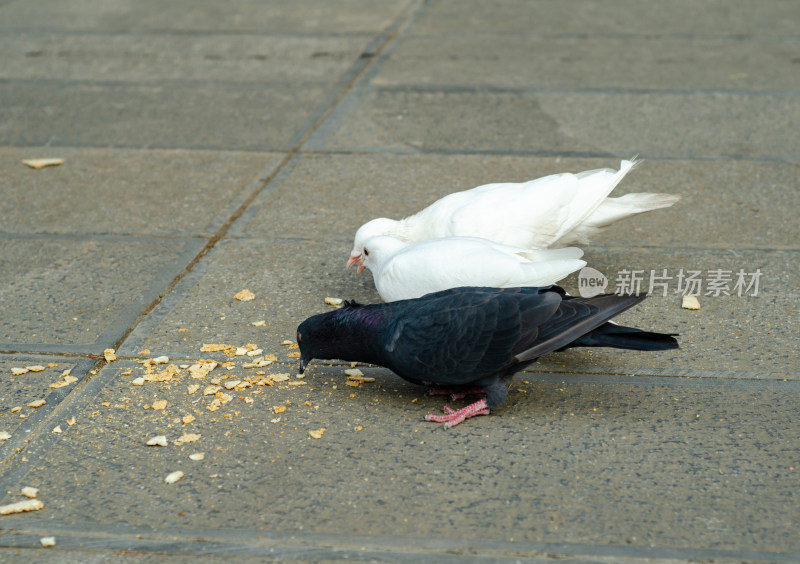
(574, 318)
(464, 336)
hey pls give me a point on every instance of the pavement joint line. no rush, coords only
(779, 159)
(608, 90)
(127, 32)
(36, 423)
(92, 381)
(25, 533)
(612, 35)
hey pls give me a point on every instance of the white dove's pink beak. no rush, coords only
(361, 266)
(353, 259)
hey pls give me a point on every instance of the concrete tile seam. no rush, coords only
(165, 84)
(612, 35)
(73, 401)
(123, 32)
(790, 159)
(39, 422)
(470, 89)
(274, 544)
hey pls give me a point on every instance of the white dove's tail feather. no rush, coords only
(614, 209)
(543, 255)
(550, 272)
(595, 186)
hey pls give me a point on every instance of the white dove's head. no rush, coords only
(377, 251)
(373, 228)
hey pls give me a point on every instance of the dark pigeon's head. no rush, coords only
(327, 335)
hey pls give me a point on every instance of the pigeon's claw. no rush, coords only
(455, 416)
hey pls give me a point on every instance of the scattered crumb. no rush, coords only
(19, 371)
(57, 429)
(202, 369)
(37, 403)
(160, 405)
(337, 302)
(197, 456)
(690, 302)
(216, 347)
(48, 541)
(173, 477)
(160, 440)
(71, 421)
(21, 506)
(317, 434)
(37, 368)
(138, 381)
(187, 419)
(260, 323)
(110, 355)
(43, 162)
(244, 296)
(188, 438)
(30, 492)
(4, 435)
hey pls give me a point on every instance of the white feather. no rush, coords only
(547, 212)
(403, 271)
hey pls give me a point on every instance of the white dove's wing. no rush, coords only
(527, 214)
(440, 264)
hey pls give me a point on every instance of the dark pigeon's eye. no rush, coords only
(298, 338)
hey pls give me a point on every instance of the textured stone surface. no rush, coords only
(128, 191)
(214, 147)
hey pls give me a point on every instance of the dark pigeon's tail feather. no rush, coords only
(620, 337)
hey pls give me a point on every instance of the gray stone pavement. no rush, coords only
(211, 147)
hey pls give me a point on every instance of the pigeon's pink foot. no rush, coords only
(458, 394)
(456, 416)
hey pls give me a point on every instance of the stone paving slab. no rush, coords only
(201, 309)
(581, 62)
(259, 474)
(362, 187)
(212, 116)
(239, 59)
(628, 17)
(128, 191)
(81, 294)
(283, 16)
(549, 122)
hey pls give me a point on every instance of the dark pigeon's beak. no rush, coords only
(303, 363)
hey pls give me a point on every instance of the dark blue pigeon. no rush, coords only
(468, 339)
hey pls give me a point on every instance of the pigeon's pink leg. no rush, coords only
(456, 416)
(455, 394)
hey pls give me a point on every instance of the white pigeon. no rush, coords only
(402, 271)
(551, 211)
